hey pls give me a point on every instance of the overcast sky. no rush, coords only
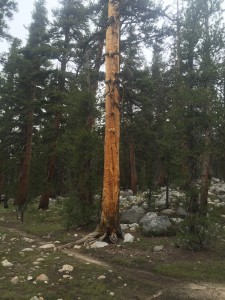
(22, 19)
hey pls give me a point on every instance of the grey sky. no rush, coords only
(22, 19)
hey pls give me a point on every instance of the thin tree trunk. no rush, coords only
(133, 172)
(205, 176)
(161, 180)
(44, 201)
(22, 193)
(109, 224)
(51, 165)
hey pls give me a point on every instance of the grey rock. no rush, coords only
(144, 205)
(101, 277)
(181, 212)
(27, 250)
(132, 215)
(161, 201)
(132, 198)
(155, 225)
(42, 277)
(128, 238)
(134, 227)
(124, 226)
(215, 180)
(34, 298)
(128, 193)
(47, 246)
(122, 194)
(222, 198)
(28, 240)
(15, 280)
(158, 248)
(66, 268)
(6, 263)
(99, 244)
(176, 220)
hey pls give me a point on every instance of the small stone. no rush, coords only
(15, 280)
(47, 246)
(40, 259)
(101, 277)
(77, 247)
(27, 250)
(42, 277)
(124, 226)
(158, 248)
(67, 276)
(111, 294)
(28, 240)
(34, 298)
(99, 244)
(128, 238)
(66, 268)
(29, 278)
(6, 263)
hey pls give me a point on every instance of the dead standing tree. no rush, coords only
(109, 227)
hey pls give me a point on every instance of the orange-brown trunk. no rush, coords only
(111, 182)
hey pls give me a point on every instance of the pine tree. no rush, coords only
(7, 8)
(34, 59)
(68, 30)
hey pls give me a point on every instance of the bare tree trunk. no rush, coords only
(22, 193)
(109, 224)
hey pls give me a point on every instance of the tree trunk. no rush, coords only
(51, 166)
(109, 223)
(22, 193)
(205, 176)
(44, 201)
(133, 172)
(161, 180)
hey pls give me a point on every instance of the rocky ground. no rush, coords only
(146, 265)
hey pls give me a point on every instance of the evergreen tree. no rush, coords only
(7, 8)
(31, 78)
(67, 32)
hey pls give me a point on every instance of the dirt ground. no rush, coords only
(171, 273)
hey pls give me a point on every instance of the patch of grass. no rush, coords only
(213, 271)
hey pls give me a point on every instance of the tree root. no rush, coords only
(88, 239)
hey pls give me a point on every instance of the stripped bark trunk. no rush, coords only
(22, 193)
(109, 223)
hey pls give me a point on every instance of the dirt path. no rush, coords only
(168, 288)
